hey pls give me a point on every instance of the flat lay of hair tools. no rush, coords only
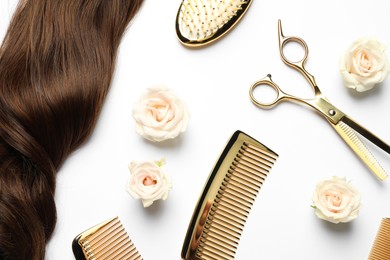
(343, 124)
(227, 198)
(107, 240)
(199, 22)
(118, 128)
(381, 247)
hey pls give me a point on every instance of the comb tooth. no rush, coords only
(220, 227)
(218, 251)
(221, 235)
(249, 182)
(111, 249)
(225, 225)
(238, 211)
(98, 235)
(234, 195)
(229, 243)
(215, 242)
(210, 234)
(257, 158)
(105, 244)
(248, 166)
(267, 155)
(226, 211)
(233, 181)
(381, 247)
(225, 205)
(253, 160)
(128, 252)
(228, 217)
(101, 236)
(110, 242)
(105, 238)
(207, 255)
(255, 177)
(241, 192)
(232, 201)
(259, 172)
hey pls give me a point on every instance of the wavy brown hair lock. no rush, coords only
(56, 65)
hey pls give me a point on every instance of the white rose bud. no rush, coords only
(148, 182)
(160, 115)
(336, 200)
(364, 64)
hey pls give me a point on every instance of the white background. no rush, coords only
(214, 82)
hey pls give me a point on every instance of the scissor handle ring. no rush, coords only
(267, 81)
(297, 64)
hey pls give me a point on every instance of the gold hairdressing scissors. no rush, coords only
(343, 124)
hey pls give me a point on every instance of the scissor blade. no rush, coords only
(367, 134)
(350, 137)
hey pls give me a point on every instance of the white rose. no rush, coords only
(336, 200)
(364, 64)
(148, 181)
(160, 115)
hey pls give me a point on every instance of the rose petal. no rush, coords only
(148, 181)
(336, 200)
(364, 64)
(160, 115)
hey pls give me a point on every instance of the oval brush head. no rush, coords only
(199, 22)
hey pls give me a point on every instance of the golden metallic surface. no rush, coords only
(107, 240)
(229, 193)
(381, 247)
(343, 124)
(201, 22)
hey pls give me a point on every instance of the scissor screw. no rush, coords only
(332, 112)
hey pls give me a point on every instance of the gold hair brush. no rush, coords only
(199, 22)
(230, 191)
(107, 240)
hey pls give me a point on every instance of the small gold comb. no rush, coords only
(107, 240)
(381, 247)
(229, 193)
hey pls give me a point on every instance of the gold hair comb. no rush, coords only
(199, 22)
(107, 240)
(381, 248)
(230, 191)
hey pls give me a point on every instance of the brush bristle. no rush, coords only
(231, 207)
(200, 21)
